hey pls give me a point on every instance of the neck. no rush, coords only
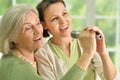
(27, 54)
(64, 43)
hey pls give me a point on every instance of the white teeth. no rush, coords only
(64, 27)
(36, 39)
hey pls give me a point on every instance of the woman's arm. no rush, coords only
(75, 73)
(108, 66)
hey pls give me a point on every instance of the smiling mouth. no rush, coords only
(37, 39)
(64, 28)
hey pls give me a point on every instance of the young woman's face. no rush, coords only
(31, 34)
(57, 20)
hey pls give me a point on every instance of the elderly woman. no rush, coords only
(20, 34)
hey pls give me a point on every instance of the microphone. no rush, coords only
(76, 33)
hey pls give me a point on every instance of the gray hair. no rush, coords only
(11, 24)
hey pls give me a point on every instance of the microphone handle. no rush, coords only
(75, 34)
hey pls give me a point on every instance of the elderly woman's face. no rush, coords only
(31, 34)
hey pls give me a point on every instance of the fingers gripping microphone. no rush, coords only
(75, 34)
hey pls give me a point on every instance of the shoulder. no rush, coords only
(23, 70)
(17, 69)
(12, 61)
(45, 52)
(46, 55)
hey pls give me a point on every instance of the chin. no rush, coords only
(38, 46)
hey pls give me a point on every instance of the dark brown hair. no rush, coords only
(41, 7)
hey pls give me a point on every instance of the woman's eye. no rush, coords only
(37, 23)
(28, 28)
(55, 18)
(65, 13)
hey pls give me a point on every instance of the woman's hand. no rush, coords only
(100, 43)
(88, 41)
(88, 44)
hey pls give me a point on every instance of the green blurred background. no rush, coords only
(102, 13)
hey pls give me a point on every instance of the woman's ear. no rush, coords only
(44, 24)
(14, 40)
(11, 44)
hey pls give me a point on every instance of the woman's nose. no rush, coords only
(36, 31)
(62, 20)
